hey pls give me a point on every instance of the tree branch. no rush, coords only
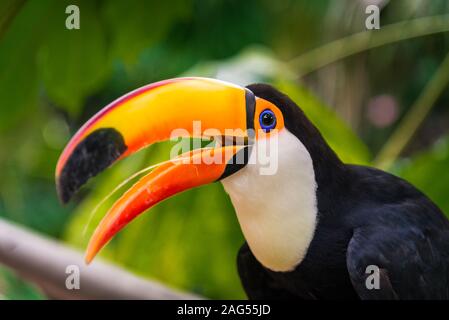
(44, 261)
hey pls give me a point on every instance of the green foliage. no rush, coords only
(13, 288)
(18, 74)
(52, 78)
(428, 172)
(140, 24)
(73, 63)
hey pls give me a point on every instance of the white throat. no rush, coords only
(277, 213)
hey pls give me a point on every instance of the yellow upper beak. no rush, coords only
(153, 113)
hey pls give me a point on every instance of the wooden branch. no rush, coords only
(44, 261)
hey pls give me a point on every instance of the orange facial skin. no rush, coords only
(261, 105)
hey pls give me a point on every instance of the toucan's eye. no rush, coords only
(267, 120)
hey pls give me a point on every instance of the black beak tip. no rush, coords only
(63, 194)
(91, 156)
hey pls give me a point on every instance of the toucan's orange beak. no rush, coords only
(188, 171)
(154, 113)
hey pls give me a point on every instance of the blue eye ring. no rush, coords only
(267, 120)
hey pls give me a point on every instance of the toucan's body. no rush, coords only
(376, 219)
(365, 217)
(315, 228)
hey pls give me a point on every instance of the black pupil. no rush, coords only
(267, 119)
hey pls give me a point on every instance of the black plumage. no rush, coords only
(365, 217)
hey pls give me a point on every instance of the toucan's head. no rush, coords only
(243, 118)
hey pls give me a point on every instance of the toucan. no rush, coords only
(315, 227)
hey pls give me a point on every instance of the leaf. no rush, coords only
(8, 11)
(15, 288)
(428, 172)
(340, 137)
(18, 78)
(73, 63)
(136, 25)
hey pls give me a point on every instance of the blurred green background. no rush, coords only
(379, 97)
